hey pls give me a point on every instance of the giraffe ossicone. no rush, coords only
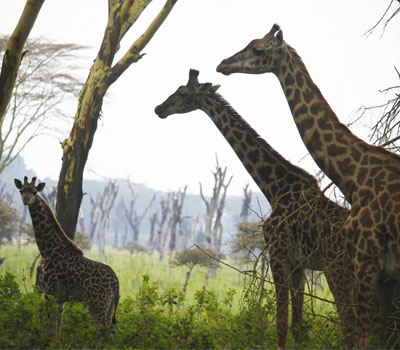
(65, 273)
(367, 175)
(303, 229)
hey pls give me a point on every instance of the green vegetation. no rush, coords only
(154, 313)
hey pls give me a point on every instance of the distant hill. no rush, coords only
(193, 203)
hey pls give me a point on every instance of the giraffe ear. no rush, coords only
(40, 186)
(18, 183)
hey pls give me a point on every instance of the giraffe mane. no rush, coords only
(58, 227)
(301, 172)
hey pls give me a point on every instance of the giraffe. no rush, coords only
(367, 175)
(302, 230)
(65, 273)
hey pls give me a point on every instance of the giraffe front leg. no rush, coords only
(297, 294)
(369, 321)
(341, 283)
(281, 281)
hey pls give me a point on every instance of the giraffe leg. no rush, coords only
(297, 295)
(341, 285)
(368, 316)
(392, 329)
(99, 314)
(281, 281)
(60, 314)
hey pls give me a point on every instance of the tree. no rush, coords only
(215, 208)
(9, 221)
(13, 53)
(214, 211)
(153, 222)
(246, 202)
(44, 81)
(106, 202)
(132, 217)
(122, 14)
(175, 221)
(191, 258)
(164, 202)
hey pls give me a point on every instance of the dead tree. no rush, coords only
(193, 227)
(177, 199)
(246, 202)
(153, 222)
(50, 197)
(133, 218)
(215, 208)
(94, 216)
(214, 211)
(164, 202)
(107, 200)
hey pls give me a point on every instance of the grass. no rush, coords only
(130, 270)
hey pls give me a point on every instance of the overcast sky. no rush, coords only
(131, 140)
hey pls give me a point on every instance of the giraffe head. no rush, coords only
(28, 190)
(259, 56)
(186, 98)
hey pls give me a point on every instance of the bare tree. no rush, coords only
(215, 208)
(47, 77)
(164, 202)
(50, 196)
(387, 16)
(214, 211)
(175, 221)
(246, 202)
(103, 73)
(107, 200)
(94, 216)
(132, 217)
(13, 52)
(153, 222)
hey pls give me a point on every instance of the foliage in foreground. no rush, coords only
(150, 319)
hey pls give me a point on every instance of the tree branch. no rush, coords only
(13, 54)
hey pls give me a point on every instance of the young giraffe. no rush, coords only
(302, 230)
(65, 272)
(368, 176)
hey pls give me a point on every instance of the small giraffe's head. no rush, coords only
(186, 98)
(28, 190)
(259, 56)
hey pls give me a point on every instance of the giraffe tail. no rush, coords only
(113, 308)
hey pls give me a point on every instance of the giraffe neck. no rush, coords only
(50, 238)
(333, 146)
(273, 174)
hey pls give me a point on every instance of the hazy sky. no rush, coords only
(131, 140)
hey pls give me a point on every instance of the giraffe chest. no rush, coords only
(64, 277)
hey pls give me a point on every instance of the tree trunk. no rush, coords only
(122, 15)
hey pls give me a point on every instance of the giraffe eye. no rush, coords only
(257, 51)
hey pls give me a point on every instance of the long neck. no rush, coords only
(49, 236)
(273, 174)
(332, 145)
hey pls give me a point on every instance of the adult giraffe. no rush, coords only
(302, 231)
(368, 176)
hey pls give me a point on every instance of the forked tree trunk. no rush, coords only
(121, 16)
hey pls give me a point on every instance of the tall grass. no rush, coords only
(130, 269)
